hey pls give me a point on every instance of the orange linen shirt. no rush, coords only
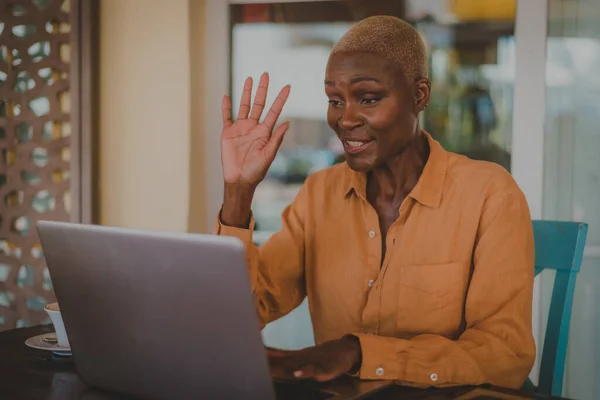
(451, 304)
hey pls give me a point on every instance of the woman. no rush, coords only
(417, 263)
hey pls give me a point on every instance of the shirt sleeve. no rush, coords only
(277, 267)
(497, 345)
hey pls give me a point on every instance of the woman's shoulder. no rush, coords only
(480, 176)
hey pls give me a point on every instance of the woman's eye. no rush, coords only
(370, 101)
(335, 103)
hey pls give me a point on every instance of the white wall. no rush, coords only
(145, 113)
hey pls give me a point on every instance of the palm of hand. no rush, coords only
(248, 146)
(243, 147)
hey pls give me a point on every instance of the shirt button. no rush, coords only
(371, 283)
(379, 371)
(371, 234)
(433, 377)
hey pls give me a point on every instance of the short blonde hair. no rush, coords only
(389, 38)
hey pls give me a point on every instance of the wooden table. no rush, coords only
(28, 374)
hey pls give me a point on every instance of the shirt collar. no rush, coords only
(428, 190)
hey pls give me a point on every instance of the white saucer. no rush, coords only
(38, 342)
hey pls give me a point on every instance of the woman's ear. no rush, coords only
(422, 93)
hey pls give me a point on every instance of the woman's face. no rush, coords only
(372, 109)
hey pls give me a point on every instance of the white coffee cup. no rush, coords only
(59, 326)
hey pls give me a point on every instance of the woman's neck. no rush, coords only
(394, 180)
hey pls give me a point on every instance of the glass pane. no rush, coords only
(40, 106)
(23, 132)
(23, 82)
(42, 4)
(23, 31)
(39, 51)
(471, 64)
(572, 171)
(26, 276)
(470, 111)
(309, 144)
(4, 272)
(36, 303)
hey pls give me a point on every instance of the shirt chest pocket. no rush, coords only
(431, 299)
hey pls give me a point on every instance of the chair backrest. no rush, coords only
(558, 246)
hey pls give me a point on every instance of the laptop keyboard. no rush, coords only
(294, 391)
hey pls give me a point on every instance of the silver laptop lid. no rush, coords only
(157, 315)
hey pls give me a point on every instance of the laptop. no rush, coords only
(166, 315)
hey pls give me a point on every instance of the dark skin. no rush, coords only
(374, 111)
(322, 363)
(370, 101)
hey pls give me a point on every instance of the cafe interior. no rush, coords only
(110, 115)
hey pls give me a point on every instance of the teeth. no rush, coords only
(355, 144)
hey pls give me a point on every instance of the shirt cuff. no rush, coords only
(379, 357)
(245, 235)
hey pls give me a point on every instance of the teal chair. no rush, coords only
(558, 246)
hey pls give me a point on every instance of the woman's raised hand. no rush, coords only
(248, 146)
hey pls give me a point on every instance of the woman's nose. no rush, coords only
(349, 119)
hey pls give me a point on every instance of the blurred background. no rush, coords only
(472, 69)
(110, 113)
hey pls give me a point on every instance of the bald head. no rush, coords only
(389, 38)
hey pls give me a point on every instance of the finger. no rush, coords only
(260, 98)
(246, 97)
(318, 372)
(226, 111)
(306, 372)
(276, 138)
(277, 107)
